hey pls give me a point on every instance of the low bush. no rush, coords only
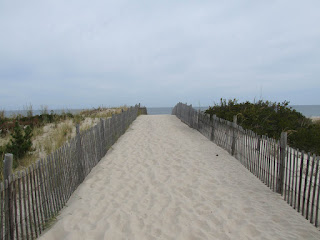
(270, 119)
(20, 143)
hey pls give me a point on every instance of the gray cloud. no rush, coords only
(88, 53)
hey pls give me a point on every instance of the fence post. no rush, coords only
(7, 171)
(283, 145)
(234, 137)
(7, 165)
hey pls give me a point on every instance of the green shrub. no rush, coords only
(20, 143)
(270, 119)
(307, 138)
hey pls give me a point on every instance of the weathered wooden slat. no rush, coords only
(267, 160)
(264, 148)
(53, 175)
(293, 176)
(271, 158)
(57, 179)
(11, 206)
(25, 201)
(314, 189)
(66, 164)
(57, 173)
(274, 164)
(33, 202)
(310, 185)
(286, 176)
(63, 167)
(6, 232)
(44, 178)
(51, 186)
(247, 151)
(2, 212)
(253, 160)
(73, 165)
(70, 167)
(30, 216)
(305, 186)
(300, 180)
(263, 160)
(254, 154)
(36, 196)
(258, 151)
(296, 177)
(15, 205)
(317, 204)
(289, 170)
(20, 206)
(40, 194)
(244, 159)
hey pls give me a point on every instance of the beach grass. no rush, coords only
(54, 131)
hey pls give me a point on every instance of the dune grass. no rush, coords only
(55, 131)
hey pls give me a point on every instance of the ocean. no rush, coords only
(307, 110)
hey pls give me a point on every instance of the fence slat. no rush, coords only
(2, 189)
(20, 206)
(29, 202)
(314, 189)
(310, 185)
(305, 186)
(36, 196)
(296, 182)
(45, 183)
(41, 194)
(288, 169)
(317, 206)
(33, 203)
(6, 211)
(14, 199)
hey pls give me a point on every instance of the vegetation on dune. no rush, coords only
(270, 119)
(20, 142)
(8, 124)
(31, 137)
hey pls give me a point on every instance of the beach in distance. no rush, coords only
(311, 111)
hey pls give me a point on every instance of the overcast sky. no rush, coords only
(76, 53)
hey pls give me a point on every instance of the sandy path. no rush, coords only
(163, 180)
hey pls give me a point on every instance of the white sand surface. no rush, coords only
(315, 119)
(164, 180)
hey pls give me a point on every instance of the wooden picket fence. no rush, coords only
(292, 173)
(31, 198)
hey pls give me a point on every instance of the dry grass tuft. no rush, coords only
(2, 114)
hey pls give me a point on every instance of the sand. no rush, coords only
(164, 180)
(315, 119)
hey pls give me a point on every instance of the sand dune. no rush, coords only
(164, 180)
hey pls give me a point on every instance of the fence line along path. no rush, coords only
(290, 172)
(30, 199)
(164, 180)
